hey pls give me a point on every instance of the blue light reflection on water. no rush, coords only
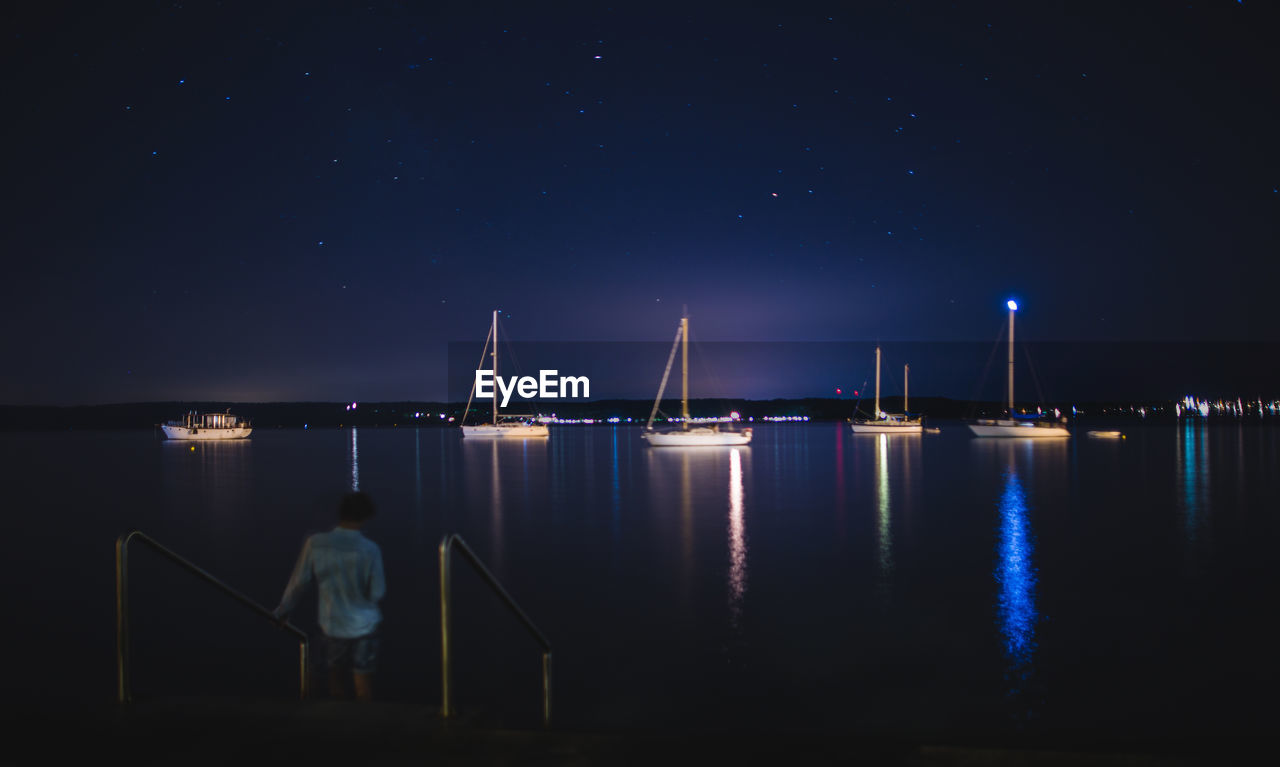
(1017, 578)
(1192, 451)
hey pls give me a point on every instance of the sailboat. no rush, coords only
(1014, 425)
(502, 426)
(888, 423)
(686, 435)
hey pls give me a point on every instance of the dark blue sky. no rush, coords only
(245, 201)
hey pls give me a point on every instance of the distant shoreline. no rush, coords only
(428, 414)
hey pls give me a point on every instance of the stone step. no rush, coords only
(239, 732)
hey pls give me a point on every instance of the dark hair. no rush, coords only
(355, 507)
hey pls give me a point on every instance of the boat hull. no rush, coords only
(697, 438)
(886, 428)
(200, 434)
(1017, 429)
(507, 430)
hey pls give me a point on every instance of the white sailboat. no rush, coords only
(889, 423)
(686, 435)
(502, 426)
(1014, 426)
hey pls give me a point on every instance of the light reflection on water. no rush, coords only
(737, 539)
(894, 489)
(840, 483)
(689, 474)
(213, 474)
(504, 476)
(419, 517)
(695, 539)
(1016, 575)
(1028, 468)
(1192, 464)
(615, 495)
(495, 502)
(354, 459)
(884, 531)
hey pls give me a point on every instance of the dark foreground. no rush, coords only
(228, 732)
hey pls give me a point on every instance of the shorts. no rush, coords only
(359, 654)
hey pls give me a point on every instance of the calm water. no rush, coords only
(927, 585)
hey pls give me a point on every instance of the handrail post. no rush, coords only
(304, 683)
(123, 692)
(546, 689)
(446, 690)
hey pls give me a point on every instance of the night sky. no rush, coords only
(233, 202)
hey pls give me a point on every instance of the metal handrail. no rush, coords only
(124, 692)
(446, 610)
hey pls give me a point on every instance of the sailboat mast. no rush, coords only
(1012, 309)
(495, 367)
(906, 372)
(684, 369)
(877, 382)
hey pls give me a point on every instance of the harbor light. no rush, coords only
(1013, 305)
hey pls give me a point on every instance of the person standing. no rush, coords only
(347, 569)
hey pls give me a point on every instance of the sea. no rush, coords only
(928, 587)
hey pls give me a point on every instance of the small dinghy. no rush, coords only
(1106, 434)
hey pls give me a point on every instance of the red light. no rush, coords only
(855, 392)
(838, 390)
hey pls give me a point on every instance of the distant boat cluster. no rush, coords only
(685, 430)
(701, 432)
(1192, 407)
